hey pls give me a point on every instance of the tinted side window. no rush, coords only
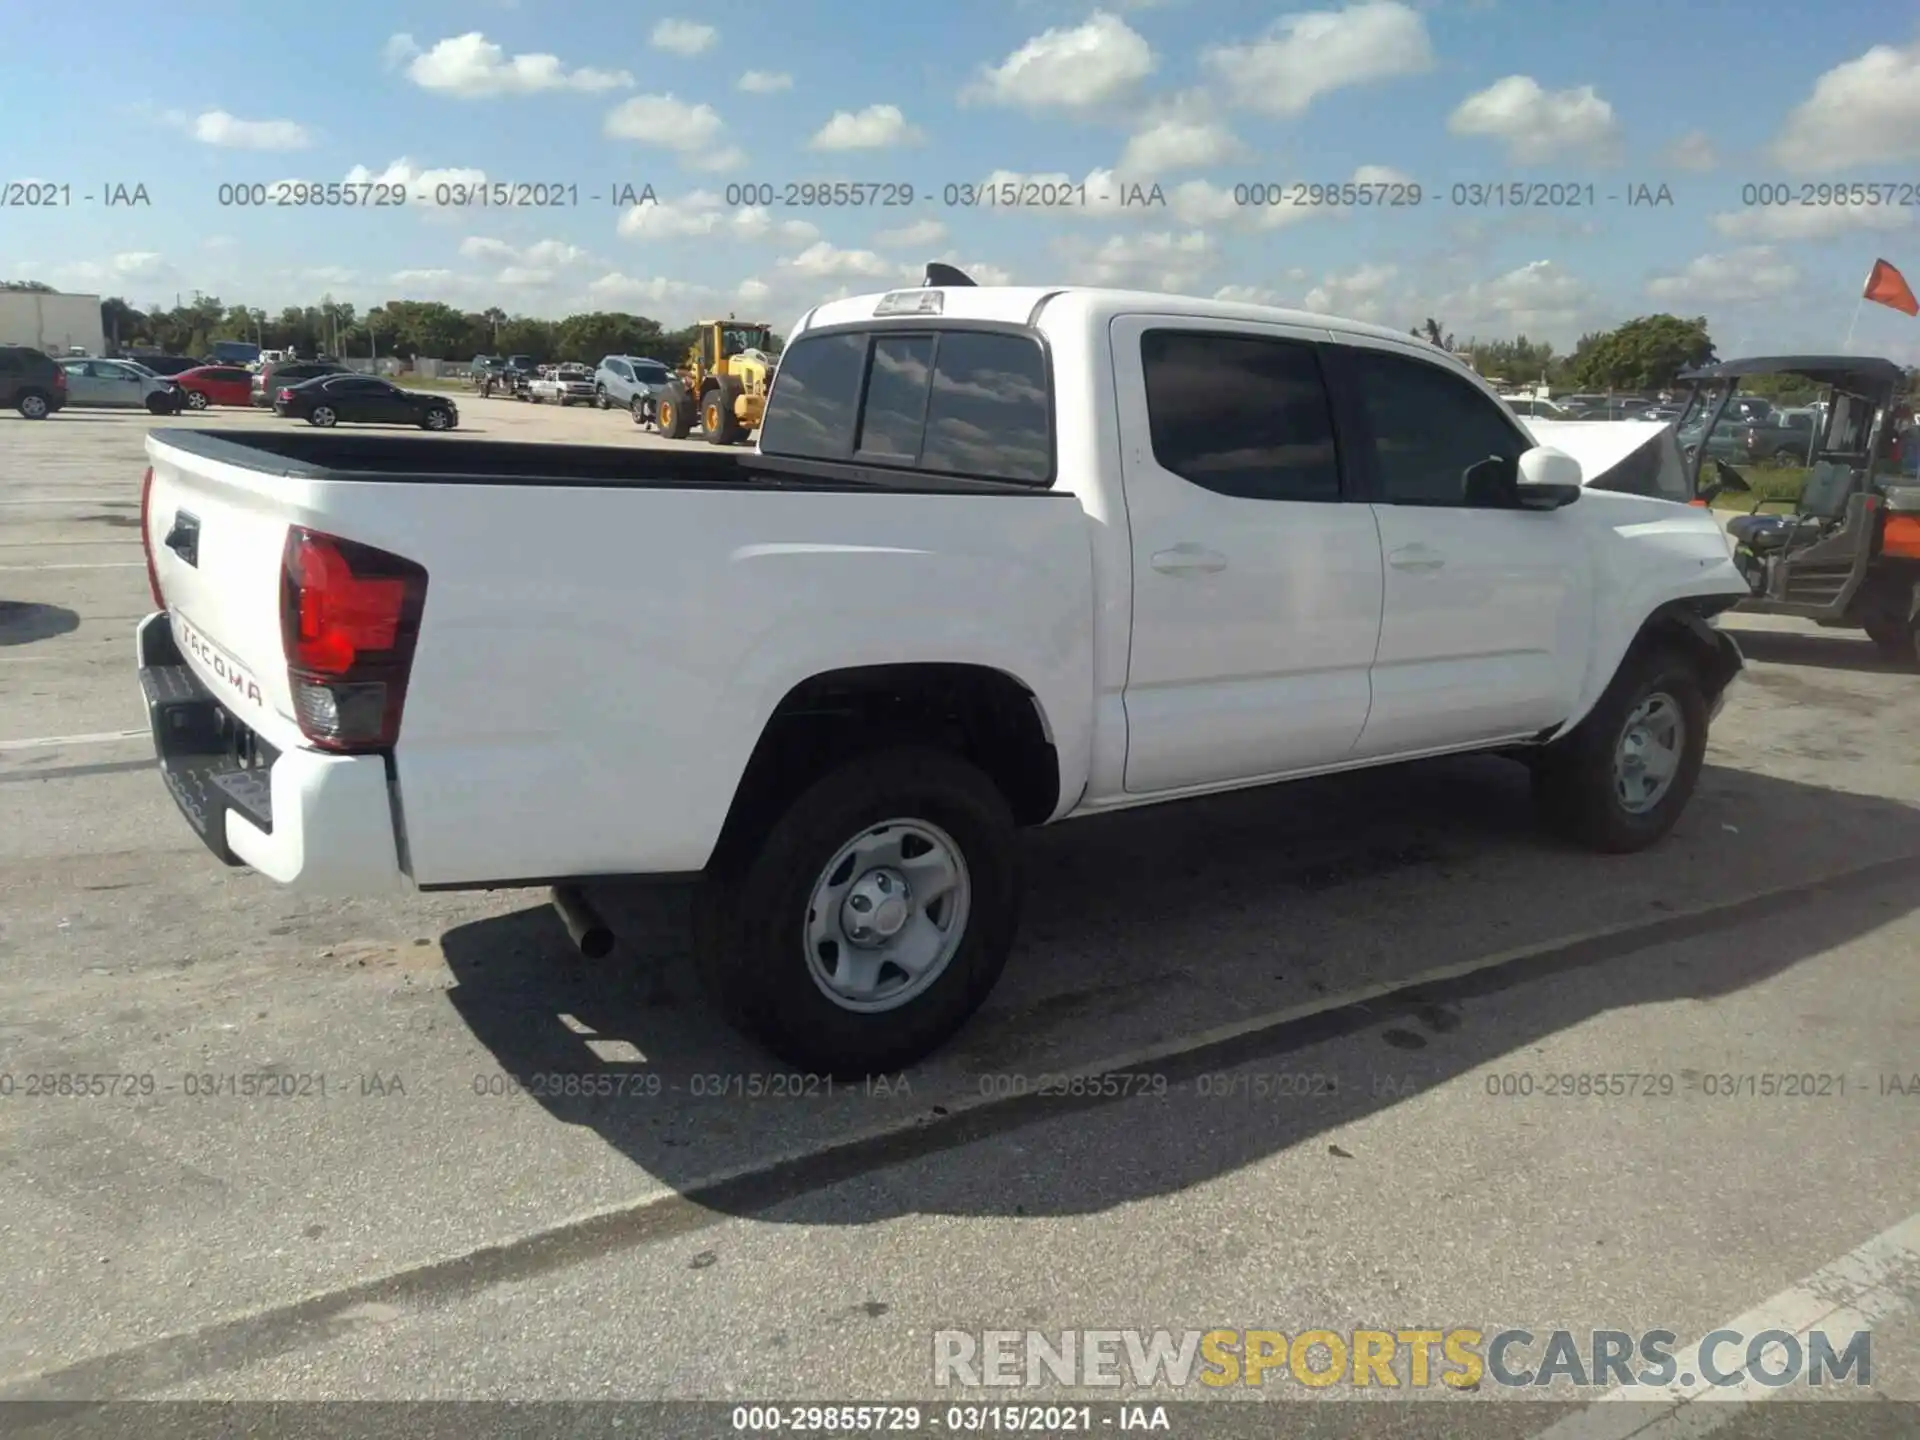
(811, 411)
(1429, 428)
(988, 413)
(9, 361)
(895, 415)
(1241, 415)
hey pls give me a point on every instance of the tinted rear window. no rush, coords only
(952, 402)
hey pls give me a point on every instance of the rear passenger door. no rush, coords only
(1485, 631)
(1256, 578)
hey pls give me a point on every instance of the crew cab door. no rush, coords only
(1485, 631)
(1256, 580)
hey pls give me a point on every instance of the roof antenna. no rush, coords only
(944, 276)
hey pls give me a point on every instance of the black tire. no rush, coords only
(1573, 781)
(438, 417)
(601, 398)
(33, 405)
(638, 410)
(675, 415)
(197, 400)
(159, 405)
(717, 419)
(753, 907)
(323, 417)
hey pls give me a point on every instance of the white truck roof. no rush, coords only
(1013, 304)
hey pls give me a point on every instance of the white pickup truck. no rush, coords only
(1002, 557)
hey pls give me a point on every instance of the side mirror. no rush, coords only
(1548, 480)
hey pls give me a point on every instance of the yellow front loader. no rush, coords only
(723, 383)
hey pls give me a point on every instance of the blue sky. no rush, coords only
(1194, 96)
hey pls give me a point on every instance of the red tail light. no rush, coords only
(1701, 503)
(286, 394)
(146, 538)
(349, 620)
(59, 377)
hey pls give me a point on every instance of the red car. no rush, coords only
(216, 385)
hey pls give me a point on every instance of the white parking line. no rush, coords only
(1870, 1283)
(61, 500)
(60, 742)
(83, 565)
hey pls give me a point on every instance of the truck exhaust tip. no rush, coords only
(591, 935)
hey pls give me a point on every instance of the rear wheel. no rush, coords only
(323, 417)
(32, 405)
(873, 918)
(196, 400)
(1620, 781)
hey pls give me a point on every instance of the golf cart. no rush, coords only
(1847, 555)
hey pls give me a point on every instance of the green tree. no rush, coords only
(37, 285)
(1643, 354)
(587, 337)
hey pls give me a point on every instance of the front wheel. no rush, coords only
(159, 405)
(642, 414)
(196, 400)
(438, 418)
(1620, 781)
(601, 398)
(323, 417)
(873, 918)
(676, 418)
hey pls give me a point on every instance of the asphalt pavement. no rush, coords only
(1286, 1060)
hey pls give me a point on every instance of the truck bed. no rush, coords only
(594, 616)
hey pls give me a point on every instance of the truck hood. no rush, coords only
(1599, 445)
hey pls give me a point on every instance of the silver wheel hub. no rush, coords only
(1648, 754)
(887, 915)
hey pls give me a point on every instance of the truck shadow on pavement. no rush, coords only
(1159, 933)
(1828, 650)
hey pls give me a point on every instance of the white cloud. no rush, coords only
(1305, 56)
(874, 128)
(1755, 273)
(825, 261)
(1179, 143)
(422, 186)
(1357, 294)
(1809, 222)
(217, 127)
(703, 213)
(921, 235)
(1538, 125)
(683, 37)
(471, 67)
(1863, 112)
(671, 124)
(756, 222)
(753, 292)
(1162, 260)
(1071, 69)
(764, 82)
(1692, 151)
(538, 263)
(129, 267)
(1535, 298)
(398, 50)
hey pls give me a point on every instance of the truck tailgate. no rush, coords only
(216, 533)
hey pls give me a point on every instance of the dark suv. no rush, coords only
(30, 382)
(269, 379)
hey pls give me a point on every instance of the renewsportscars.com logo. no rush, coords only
(1460, 1358)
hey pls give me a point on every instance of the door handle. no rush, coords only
(1189, 559)
(1416, 557)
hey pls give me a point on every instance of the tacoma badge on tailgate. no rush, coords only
(231, 674)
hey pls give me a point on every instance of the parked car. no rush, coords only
(1538, 409)
(121, 384)
(621, 379)
(898, 656)
(1786, 437)
(329, 400)
(166, 364)
(216, 385)
(522, 365)
(32, 382)
(563, 385)
(272, 378)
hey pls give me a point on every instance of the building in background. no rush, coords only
(50, 321)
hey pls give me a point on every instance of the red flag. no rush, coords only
(1887, 286)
